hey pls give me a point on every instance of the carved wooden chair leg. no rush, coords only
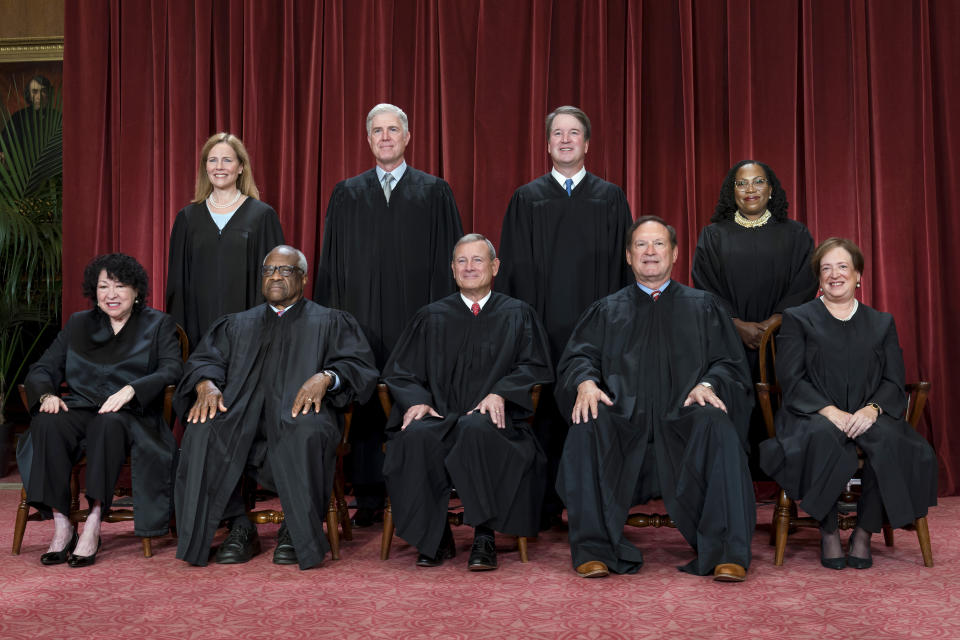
(522, 546)
(781, 521)
(888, 535)
(387, 537)
(333, 532)
(21, 524)
(923, 535)
(147, 548)
(342, 512)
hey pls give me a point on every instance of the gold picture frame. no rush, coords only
(42, 49)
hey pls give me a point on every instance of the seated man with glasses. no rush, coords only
(273, 373)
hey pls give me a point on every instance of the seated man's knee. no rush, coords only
(107, 425)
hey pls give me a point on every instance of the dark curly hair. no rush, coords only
(121, 268)
(727, 205)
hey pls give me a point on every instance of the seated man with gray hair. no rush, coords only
(460, 376)
(275, 372)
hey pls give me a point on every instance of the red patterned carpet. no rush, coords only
(127, 596)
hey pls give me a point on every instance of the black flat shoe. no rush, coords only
(483, 554)
(59, 557)
(284, 553)
(859, 563)
(84, 561)
(832, 563)
(447, 550)
(240, 545)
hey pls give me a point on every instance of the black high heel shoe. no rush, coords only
(832, 563)
(84, 561)
(59, 557)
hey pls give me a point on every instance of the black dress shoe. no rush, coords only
(447, 550)
(366, 517)
(859, 563)
(59, 557)
(76, 562)
(831, 563)
(240, 545)
(284, 553)
(483, 555)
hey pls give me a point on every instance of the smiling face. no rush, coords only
(223, 166)
(114, 297)
(752, 190)
(838, 276)
(567, 144)
(473, 269)
(388, 141)
(650, 254)
(279, 290)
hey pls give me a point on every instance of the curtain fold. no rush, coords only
(850, 102)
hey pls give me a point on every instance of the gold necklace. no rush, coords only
(750, 224)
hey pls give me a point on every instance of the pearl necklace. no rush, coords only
(743, 221)
(215, 204)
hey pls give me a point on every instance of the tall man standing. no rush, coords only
(385, 248)
(274, 372)
(658, 388)
(562, 244)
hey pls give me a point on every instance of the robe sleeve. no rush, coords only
(348, 355)
(707, 271)
(799, 394)
(406, 372)
(46, 374)
(208, 361)
(803, 284)
(625, 219)
(178, 272)
(531, 366)
(448, 229)
(517, 277)
(325, 289)
(269, 235)
(169, 365)
(727, 368)
(582, 358)
(890, 394)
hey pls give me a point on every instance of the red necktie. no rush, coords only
(475, 308)
(280, 312)
(655, 295)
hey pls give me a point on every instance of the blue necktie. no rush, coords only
(569, 185)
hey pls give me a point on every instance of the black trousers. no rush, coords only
(59, 441)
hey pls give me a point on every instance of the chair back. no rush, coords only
(768, 390)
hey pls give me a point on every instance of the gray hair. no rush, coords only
(384, 107)
(301, 259)
(474, 237)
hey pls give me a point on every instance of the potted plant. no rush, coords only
(31, 197)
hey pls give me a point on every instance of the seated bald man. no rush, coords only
(657, 386)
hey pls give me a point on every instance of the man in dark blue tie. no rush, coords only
(562, 245)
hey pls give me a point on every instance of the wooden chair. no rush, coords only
(337, 514)
(77, 514)
(455, 518)
(785, 515)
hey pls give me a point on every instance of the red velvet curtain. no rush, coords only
(849, 102)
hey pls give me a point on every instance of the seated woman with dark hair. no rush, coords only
(841, 370)
(116, 360)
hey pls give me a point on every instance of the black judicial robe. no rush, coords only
(259, 361)
(824, 361)
(450, 359)
(755, 272)
(96, 363)
(560, 253)
(212, 273)
(382, 261)
(647, 356)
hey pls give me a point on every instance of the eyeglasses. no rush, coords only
(758, 183)
(285, 270)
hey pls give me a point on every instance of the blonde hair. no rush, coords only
(245, 182)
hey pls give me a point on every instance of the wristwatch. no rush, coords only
(876, 406)
(707, 385)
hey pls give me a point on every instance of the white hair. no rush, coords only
(384, 107)
(301, 259)
(474, 237)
